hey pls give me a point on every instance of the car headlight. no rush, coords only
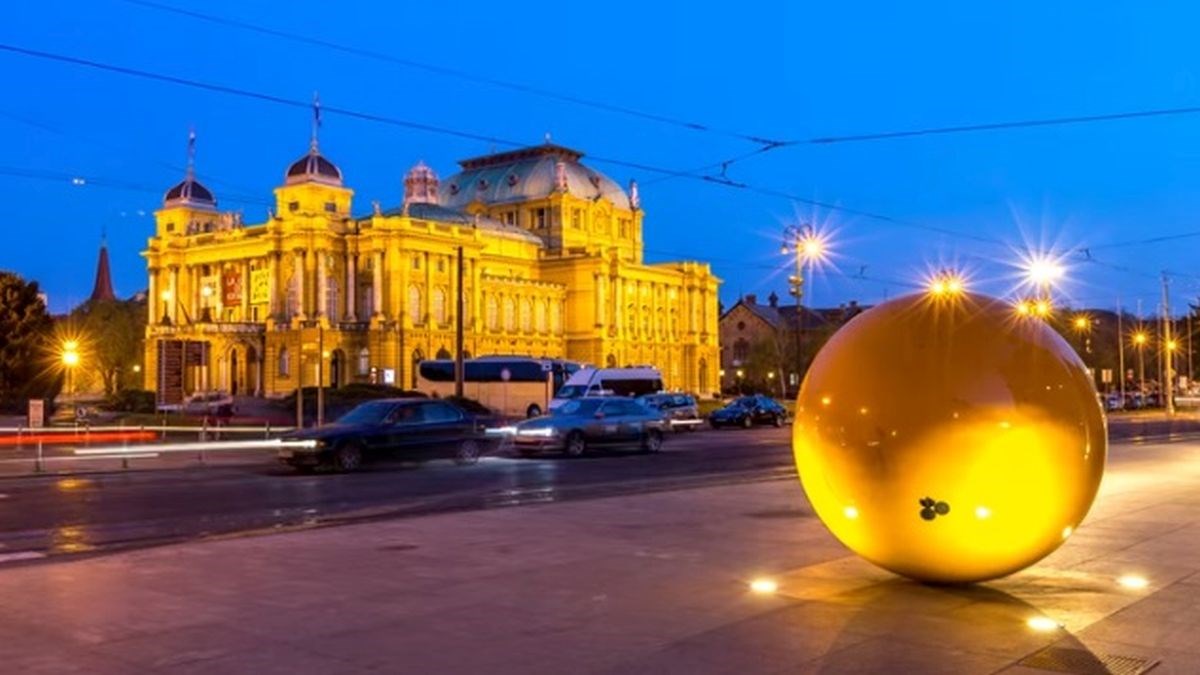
(538, 432)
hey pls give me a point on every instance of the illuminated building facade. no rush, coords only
(553, 267)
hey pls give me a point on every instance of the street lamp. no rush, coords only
(1140, 338)
(166, 299)
(809, 247)
(70, 359)
(206, 312)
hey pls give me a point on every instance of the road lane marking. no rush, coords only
(21, 555)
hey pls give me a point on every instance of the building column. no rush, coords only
(352, 290)
(246, 290)
(152, 298)
(427, 296)
(322, 284)
(174, 299)
(301, 270)
(477, 309)
(273, 290)
(377, 285)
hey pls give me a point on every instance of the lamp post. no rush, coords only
(1139, 340)
(809, 247)
(166, 300)
(206, 293)
(70, 359)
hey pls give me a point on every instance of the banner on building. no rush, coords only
(260, 286)
(231, 288)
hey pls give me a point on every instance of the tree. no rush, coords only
(115, 330)
(27, 366)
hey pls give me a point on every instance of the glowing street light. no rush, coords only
(1043, 271)
(946, 284)
(1140, 338)
(1081, 323)
(70, 360)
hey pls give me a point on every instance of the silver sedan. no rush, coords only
(583, 424)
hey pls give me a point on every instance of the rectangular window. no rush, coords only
(416, 262)
(539, 218)
(576, 219)
(624, 228)
(510, 217)
(331, 207)
(293, 206)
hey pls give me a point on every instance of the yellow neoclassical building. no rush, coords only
(553, 267)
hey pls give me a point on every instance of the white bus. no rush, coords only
(514, 386)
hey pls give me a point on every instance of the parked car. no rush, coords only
(748, 411)
(582, 424)
(680, 410)
(409, 428)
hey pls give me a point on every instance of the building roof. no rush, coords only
(785, 316)
(528, 173)
(441, 214)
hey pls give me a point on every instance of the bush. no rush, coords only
(132, 400)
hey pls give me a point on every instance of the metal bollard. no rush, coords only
(268, 432)
(125, 453)
(37, 463)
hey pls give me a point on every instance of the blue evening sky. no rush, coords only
(781, 70)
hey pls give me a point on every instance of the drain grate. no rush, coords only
(1084, 662)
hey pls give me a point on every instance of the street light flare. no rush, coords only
(1043, 270)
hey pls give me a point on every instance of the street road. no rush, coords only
(94, 512)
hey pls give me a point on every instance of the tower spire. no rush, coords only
(191, 153)
(316, 121)
(103, 289)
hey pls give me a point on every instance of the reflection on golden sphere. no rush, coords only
(949, 438)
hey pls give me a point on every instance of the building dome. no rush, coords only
(189, 192)
(421, 185)
(527, 174)
(313, 167)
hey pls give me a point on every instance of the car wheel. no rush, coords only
(652, 441)
(348, 457)
(467, 453)
(747, 422)
(533, 411)
(777, 421)
(576, 445)
(714, 424)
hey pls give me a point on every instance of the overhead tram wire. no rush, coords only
(429, 128)
(84, 180)
(453, 72)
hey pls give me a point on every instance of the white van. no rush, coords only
(637, 381)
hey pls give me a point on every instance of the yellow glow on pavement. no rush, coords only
(1133, 581)
(1043, 624)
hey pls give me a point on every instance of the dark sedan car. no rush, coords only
(582, 424)
(410, 429)
(748, 411)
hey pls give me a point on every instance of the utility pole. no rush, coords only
(1168, 375)
(459, 373)
(320, 374)
(1120, 352)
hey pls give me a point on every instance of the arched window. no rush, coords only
(293, 296)
(703, 377)
(364, 361)
(443, 353)
(526, 316)
(414, 304)
(510, 315)
(610, 362)
(645, 321)
(439, 306)
(539, 311)
(331, 299)
(493, 313)
(741, 350)
(285, 362)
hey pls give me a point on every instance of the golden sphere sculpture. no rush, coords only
(948, 438)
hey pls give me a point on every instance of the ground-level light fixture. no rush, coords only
(764, 586)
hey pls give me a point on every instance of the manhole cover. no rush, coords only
(1084, 662)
